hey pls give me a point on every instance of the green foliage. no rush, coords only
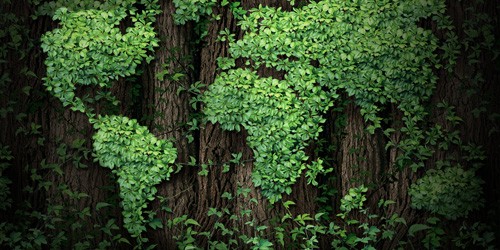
(12, 32)
(433, 233)
(270, 117)
(201, 12)
(5, 157)
(372, 50)
(50, 7)
(354, 199)
(89, 49)
(302, 231)
(59, 224)
(196, 10)
(140, 161)
(192, 10)
(476, 236)
(452, 192)
(15, 43)
(371, 228)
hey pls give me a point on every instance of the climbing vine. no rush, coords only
(192, 10)
(197, 10)
(89, 49)
(372, 50)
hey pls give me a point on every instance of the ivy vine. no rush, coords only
(372, 50)
(89, 49)
(192, 10)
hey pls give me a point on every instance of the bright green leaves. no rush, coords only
(140, 161)
(50, 7)
(278, 120)
(90, 49)
(451, 192)
(192, 10)
(354, 199)
(372, 50)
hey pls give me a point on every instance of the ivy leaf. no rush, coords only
(191, 222)
(100, 205)
(155, 223)
(417, 228)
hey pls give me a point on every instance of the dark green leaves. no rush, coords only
(192, 10)
(451, 192)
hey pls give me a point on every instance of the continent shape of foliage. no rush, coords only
(90, 49)
(452, 192)
(138, 158)
(372, 50)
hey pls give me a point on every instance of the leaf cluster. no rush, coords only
(5, 199)
(192, 10)
(140, 161)
(372, 50)
(89, 49)
(452, 192)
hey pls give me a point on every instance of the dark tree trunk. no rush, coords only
(35, 152)
(167, 112)
(360, 158)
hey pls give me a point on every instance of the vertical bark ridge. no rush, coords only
(168, 113)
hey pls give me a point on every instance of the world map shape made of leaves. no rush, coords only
(89, 49)
(372, 50)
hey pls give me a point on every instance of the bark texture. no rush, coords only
(359, 158)
(34, 151)
(166, 111)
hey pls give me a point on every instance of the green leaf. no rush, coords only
(417, 228)
(191, 222)
(288, 203)
(155, 223)
(100, 205)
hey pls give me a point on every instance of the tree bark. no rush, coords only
(360, 158)
(166, 112)
(51, 143)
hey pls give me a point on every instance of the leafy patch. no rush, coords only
(452, 192)
(138, 158)
(372, 50)
(89, 49)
